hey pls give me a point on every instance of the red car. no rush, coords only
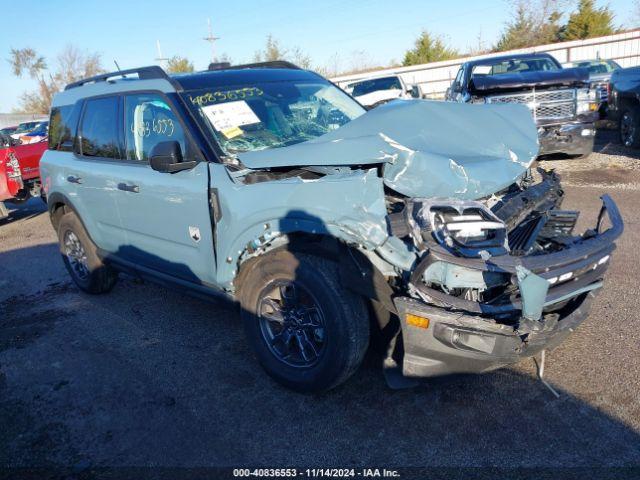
(20, 173)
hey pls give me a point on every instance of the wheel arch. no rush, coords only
(357, 273)
(59, 204)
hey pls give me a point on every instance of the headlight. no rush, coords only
(586, 101)
(465, 227)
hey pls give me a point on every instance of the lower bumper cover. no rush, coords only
(455, 342)
(572, 139)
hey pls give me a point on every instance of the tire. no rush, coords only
(79, 255)
(340, 331)
(629, 126)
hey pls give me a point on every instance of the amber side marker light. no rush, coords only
(416, 321)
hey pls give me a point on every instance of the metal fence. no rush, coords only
(13, 119)
(433, 79)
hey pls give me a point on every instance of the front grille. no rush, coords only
(545, 105)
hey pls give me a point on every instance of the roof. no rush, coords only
(155, 78)
(218, 74)
(231, 76)
(504, 58)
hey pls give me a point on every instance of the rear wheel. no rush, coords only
(80, 257)
(630, 126)
(308, 332)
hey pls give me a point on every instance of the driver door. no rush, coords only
(165, 216)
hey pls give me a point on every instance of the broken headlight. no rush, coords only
(463, 227)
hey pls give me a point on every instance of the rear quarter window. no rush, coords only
(100, 127)
(63, 124)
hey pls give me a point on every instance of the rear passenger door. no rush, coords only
(92, 176)
(166, 216)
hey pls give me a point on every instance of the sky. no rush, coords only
(370, 31)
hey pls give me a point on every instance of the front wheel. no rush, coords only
(630, 127)
(308, 332)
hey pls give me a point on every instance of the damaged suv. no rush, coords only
(418, 221)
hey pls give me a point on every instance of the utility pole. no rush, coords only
(212, 40)
(160, 58)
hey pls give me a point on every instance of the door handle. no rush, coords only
(129, 188)
(74, 179)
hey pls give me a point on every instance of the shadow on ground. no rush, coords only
(147, 376)
(23, 211)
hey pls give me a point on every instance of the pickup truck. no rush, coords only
(624, 104)
(417, 223)
(561, 103)
(20, 173)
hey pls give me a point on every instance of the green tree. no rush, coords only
(533, 23)
(589, 21)
(428, 48)
(72, 64)
(178, 64)
(520, 31)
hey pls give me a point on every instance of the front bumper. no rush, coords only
(571, 139)
(464, 336)
(461, 343)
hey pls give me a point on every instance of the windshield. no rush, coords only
(25, 127)
(515, 65)
(265, 115)
(595, 67)
(374, 85)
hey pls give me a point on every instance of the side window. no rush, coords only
(149, 120)
(62, 127)
(459, 76)
(99, 128)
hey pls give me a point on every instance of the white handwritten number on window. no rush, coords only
(159, 126)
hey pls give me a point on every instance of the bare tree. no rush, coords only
(72, 64)
(272, 51)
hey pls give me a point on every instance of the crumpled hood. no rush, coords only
(428, 148)
(518, 80)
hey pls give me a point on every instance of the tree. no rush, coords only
(533, 23)
(588, 22)
(178, 64)
(428, 49)
(72, 64)
(272, 51)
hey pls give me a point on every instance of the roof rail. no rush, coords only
(144, 73)
(271, 64)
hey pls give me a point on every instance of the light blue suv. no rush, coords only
(417, 225)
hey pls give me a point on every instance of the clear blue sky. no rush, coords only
(127, 30)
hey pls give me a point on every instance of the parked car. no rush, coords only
(563, 107)
(599, 76)
(8, 130)
(267, 185)
(37, 134)
(19, 173)
(25, 128)
(624, 104)
(375, 91)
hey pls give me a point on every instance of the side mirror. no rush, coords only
(166, 157)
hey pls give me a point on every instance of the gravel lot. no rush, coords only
(146, 376)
